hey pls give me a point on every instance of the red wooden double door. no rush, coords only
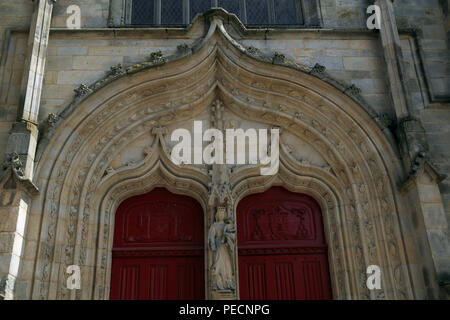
(159, 248)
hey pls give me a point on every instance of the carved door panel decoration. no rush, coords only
(282, 248)
(158, 248)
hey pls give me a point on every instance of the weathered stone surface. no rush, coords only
(302, 103)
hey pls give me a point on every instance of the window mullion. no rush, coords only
(243, 9)
(158, 9)
(300, 8)
(186, 12)
(128, 5)
(271, 12)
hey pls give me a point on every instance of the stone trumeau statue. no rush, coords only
(221, 241)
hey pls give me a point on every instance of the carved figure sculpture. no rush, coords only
(221, 239)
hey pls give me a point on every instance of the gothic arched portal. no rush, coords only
(114, 143)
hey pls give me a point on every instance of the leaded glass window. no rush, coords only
(171, 12)
(288, 12)
(198, 6)
(257, 12)
(143, 12)
(231, 6)
(253, 13)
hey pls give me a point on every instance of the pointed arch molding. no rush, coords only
(80, 192)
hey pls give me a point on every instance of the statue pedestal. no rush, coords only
(223, 295)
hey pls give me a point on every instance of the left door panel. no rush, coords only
(158, 248)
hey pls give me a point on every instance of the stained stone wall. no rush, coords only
(73, 60)
(352, 58)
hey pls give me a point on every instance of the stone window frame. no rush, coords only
(120, 14)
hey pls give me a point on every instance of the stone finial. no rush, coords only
(157, 57)
(278, 58)
(82, 90)
(116, 70)
(183, 48)
(52, 119)
(353, 90)
(318, 70)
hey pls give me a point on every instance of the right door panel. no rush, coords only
(282, 249)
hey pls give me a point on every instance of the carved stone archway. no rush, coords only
(350, 167)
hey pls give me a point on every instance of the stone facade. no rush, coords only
(369, 112)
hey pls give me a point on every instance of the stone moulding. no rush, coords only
(82, 184)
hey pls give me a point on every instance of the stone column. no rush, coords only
(421, 179)
(35, 61)
(16, 187)
(430, 227)
(394, 58)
